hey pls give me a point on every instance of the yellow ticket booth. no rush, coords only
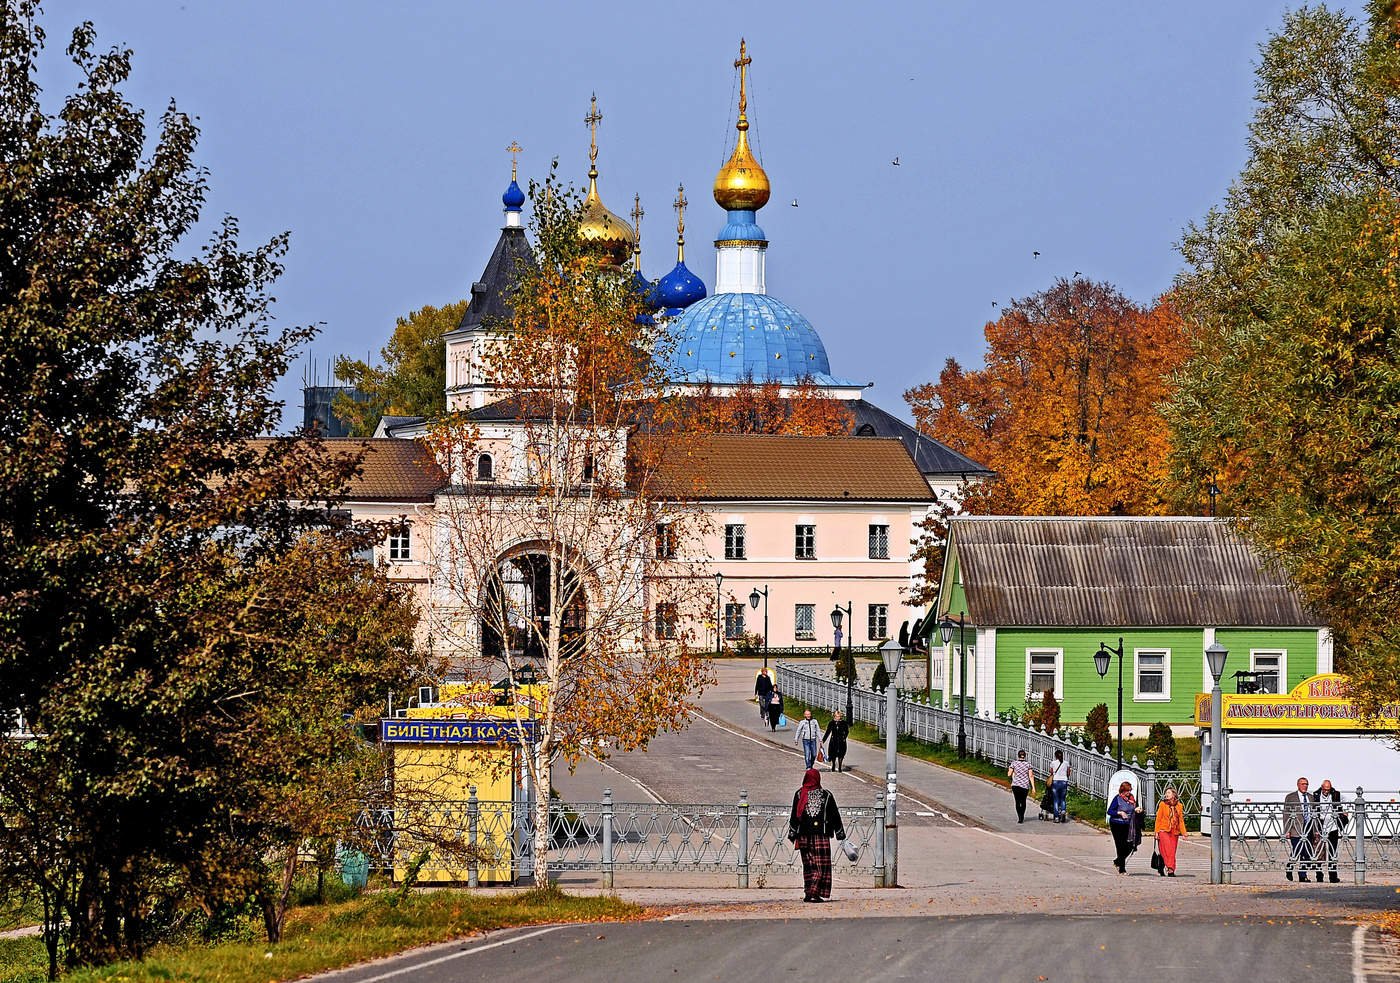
(440, 753)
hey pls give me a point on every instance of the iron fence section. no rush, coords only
(607, 836)
(1257, 838)
(996, 737)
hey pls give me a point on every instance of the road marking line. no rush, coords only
(796, 754)
(635, 781)
(459, 954)
(1358, 955)
(1043, 853)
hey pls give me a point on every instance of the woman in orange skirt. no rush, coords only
(1171, 827)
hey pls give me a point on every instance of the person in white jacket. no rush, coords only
(809, 735)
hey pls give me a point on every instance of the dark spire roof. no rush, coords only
(491, 295)
(931, 456)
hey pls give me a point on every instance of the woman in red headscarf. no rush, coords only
(814, 820)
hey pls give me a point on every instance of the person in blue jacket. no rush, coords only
(1125, 822)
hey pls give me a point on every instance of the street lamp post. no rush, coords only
(946, 631)
(1215, 662)
(891, 653)
(836, 615)
(719, 612)
(1101, 658)
(754, 595)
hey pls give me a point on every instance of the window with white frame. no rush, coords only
(956, 669)
(1271, 668)
(879, 542)
(877, 622)
(805, 545)
(400, 546)
(804, 622)
(1152, 674)
(1043, 671)
(734, 541)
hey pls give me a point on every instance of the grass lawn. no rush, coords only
(324, 937)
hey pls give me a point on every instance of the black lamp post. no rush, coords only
(754, 596)
(1101, 658)
(836, 615)
(719, 612)
(945, 629)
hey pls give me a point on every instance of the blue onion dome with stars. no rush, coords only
(736, 337)
(680, 288)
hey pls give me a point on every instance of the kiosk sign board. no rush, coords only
(438, 731)
(1317, 703)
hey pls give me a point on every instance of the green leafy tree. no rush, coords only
(1287, 401)
(181, 639)
(413, 379)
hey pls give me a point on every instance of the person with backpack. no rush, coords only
(813, 821)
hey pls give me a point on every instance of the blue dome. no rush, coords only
(514, 198)
(730, 338)
(677, 290)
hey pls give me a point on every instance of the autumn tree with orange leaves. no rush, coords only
(544, 563)
(753, 407)
(1067, 409)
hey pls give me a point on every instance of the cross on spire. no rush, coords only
(513, 149)
(679, 205)
(592, 120)
(743, 63)
(637, 212)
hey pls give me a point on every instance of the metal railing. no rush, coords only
(996, 737)
(487, 840)
(1350, 837)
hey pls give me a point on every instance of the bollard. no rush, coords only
(607, 857)
(878, 836)
(1358, 816)
(744, 838)
(473, 810)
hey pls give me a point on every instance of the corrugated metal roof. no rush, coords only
(1134, 572)
(751, 467)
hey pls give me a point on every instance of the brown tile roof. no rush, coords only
(749, 466)
(392, 470)
(1132, 572)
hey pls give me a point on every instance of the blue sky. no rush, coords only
(375, 133)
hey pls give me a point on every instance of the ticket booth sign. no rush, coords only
(438, 731)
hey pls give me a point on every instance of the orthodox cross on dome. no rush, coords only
(679, 205)
(637, 213)
(513, 149)
(592, 120)
(743, 63)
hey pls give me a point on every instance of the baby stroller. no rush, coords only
(1047, 805)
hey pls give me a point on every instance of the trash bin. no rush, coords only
(354, 869)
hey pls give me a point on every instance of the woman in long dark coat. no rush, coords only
(814, 820)
(835, 740)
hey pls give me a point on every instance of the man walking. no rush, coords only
(1300, 826)
(809, 734)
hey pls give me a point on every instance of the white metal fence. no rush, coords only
(995, 737)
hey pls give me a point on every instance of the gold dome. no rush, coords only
(742, 183)
(599, 228)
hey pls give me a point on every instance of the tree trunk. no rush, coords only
(542, 830)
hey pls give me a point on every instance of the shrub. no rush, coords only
(1096, 727)
(1161, 746)
(881, 680)
(846, 666)
(1049, 712)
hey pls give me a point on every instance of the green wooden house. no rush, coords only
(1037, 596)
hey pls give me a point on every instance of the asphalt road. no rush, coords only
(1035, 948)
(710, 762)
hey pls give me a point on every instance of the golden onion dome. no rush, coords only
(600, 229)
(742, 183)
